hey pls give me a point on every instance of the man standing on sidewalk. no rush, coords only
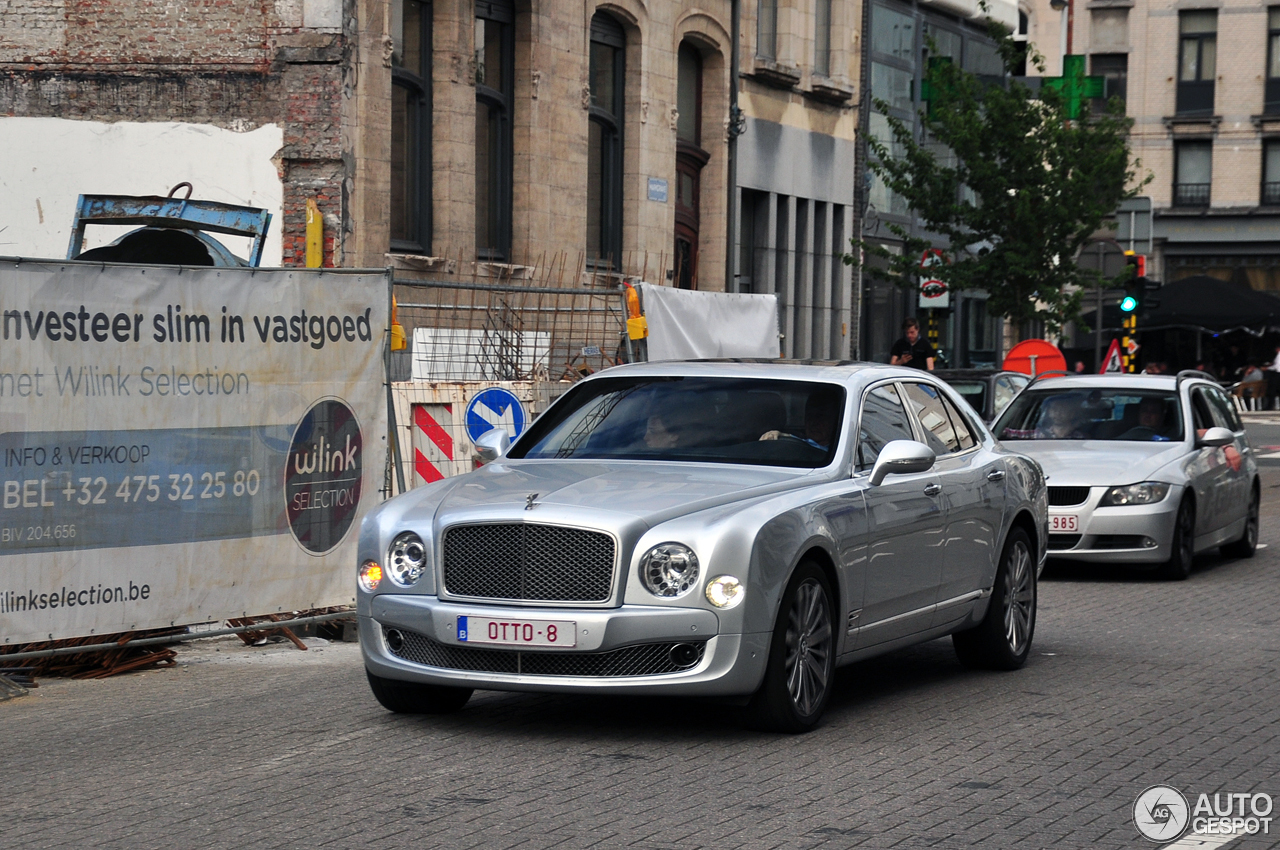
(911, 349)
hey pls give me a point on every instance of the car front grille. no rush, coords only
(526, 562)
(1061, 497)
(1058, 542)
(649, 659)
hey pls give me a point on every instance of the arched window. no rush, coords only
(690, 158)
(411, 126)
(607, 73)
(495, 82)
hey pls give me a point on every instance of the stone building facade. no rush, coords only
(1201, 81)
(463, 139)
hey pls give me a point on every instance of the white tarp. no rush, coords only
(183, 445)
(687, 325)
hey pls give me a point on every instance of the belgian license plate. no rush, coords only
(512, 632)
(1064, 522)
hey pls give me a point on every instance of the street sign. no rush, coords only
(495, 408)
(1112, 362)
(1133, 225)
(934, 294)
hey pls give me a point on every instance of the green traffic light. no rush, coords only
(1128, 304)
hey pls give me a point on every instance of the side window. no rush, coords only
(883, 420)
(1225, 409)
(939, 433)
(1006, 389)
(1201, 411)
(964, 433)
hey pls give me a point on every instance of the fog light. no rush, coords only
(684, 655)
(1148, 543)
(725, 592)
(395, 640)
(370, 576)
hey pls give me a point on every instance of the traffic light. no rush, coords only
(1138, 289)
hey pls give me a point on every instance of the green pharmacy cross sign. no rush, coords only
(1076, 88)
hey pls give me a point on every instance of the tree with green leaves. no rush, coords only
(1040, 180)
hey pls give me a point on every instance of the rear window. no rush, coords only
(974, 392)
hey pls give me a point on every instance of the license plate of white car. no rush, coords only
(1064, 522)
(512, 632)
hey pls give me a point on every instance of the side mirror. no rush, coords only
(493, 444)
(1216, 438)
(901, 457)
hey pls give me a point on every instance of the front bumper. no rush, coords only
(619, 650)
(1136, 534)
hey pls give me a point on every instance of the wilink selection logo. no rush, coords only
(1161, 813)
(322, 475)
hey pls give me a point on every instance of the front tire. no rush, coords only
(415, 697)
(1248, 542)
(1183, 544)
(802, 657)
(1002, 641)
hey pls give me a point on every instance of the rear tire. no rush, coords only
(1002, 641)
(802, 657)
(416, 698)
(1248, 542)
(1178, 567)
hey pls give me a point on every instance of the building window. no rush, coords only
(1020, 40)
(1114, 68)
(1192, 173)
(607, 70)
(767, 30)
(822, 38)
(411, 126)
(893, 70)
(1272, 96)
(690, 158)
(1271, 172)
(1197, 61)
(495, 80)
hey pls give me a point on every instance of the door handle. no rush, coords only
(933, 489)
(995, 475)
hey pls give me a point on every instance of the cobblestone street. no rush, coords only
(1132, 682)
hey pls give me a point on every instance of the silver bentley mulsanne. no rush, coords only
(721, 529)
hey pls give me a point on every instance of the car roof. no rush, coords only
(1110, 380)
(840, 371)
(947, 374)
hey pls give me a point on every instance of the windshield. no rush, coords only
(706, 420)
(1092, 414)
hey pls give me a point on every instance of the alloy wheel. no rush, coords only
(1018, 598)
(809, 645)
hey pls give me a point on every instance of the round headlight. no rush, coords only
(406, 559)
(725, 592)
(669, 570)
(369, 576)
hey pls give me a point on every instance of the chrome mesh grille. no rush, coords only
(650, 659)
(528, 562)
(1061, 497)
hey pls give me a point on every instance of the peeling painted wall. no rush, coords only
(49, 162)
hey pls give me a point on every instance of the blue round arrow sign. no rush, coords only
(495, 408)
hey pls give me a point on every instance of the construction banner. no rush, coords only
(183, 445)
